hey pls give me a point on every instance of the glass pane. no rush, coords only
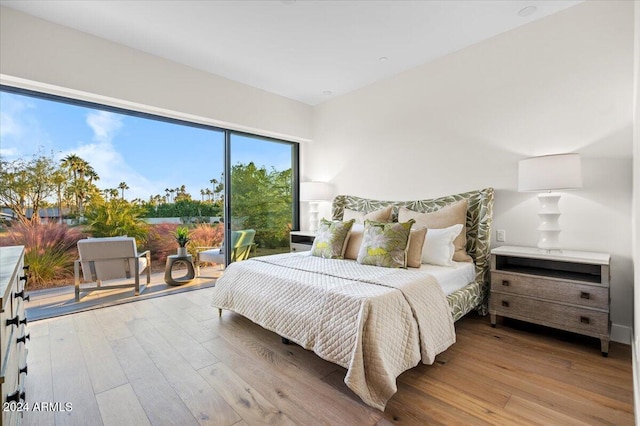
(261, 196)
(112, 172)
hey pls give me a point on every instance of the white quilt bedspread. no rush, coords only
(375, 322)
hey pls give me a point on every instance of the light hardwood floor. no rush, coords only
(172, 361)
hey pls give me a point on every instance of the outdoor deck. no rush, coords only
(59, 301)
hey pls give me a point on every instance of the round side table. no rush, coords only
(172, 261)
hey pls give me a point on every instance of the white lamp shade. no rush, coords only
(550, 172)
(315, 191)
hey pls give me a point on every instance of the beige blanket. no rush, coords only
(375, 322)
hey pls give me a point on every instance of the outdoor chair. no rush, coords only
(110, 258)
(241, 243)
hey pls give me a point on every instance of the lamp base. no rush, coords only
(549, 215)
(313, 216)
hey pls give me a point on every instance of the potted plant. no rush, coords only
(182, 237)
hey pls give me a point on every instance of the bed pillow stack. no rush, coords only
(436, 238)
(449, 215)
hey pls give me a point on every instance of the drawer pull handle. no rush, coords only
(585, 295)
(24, 338)
(13, 321)
(505, 283)
(23, 321)
(25, 268)
(21, 295)
(24, 277)
(16, 396)
(505, 303)
(23, 370)
(585, 320)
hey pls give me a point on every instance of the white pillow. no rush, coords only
(438, 248)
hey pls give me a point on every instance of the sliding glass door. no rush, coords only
(262, 195)
(224, 186)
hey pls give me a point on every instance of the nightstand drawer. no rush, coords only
(300, 247)
(550, 289)
(583, 320)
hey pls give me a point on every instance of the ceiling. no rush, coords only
(306, 50)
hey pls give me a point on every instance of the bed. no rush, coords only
(376, 322)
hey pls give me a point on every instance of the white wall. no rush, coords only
(561, 84)
(45, 56)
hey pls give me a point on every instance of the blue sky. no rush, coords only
(148, 155)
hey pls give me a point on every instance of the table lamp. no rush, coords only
(314, 193)
(545, 174)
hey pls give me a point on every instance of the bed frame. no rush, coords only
(479, 217)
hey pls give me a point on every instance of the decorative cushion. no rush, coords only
(331, 239)
(439, 245)
(382, 215)
(385, 244)
(451, 214)
(414, 250)
(354, 242)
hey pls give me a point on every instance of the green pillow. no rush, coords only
(385, 244)
(331, 239)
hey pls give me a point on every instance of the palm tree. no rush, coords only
(123, 186)
(202, 195)
(79, 168)
(59, 180)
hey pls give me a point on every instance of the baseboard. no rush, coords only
(636, 377)
(621, 334)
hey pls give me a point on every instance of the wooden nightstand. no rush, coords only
(301, 240)
(564, 289)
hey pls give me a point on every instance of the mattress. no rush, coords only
(452, 278)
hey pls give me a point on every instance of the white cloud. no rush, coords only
(112, 169)
(8, 152)
(104, 125)
(8, 125)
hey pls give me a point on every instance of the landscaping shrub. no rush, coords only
(160, 241)
(204, 235)
(117, 217)
(50, 250)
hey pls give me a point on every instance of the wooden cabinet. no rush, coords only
(13, 334)
(301, 240)
(565, 289)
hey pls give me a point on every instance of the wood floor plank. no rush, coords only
(587, 406)
(158, 399)
(206, 405)
(252, 406)
(71, 380)
(176, 335)
(543, 415)
(292, 392)
(39, 364)
(103, 366)
(511, 374)
(120, 406)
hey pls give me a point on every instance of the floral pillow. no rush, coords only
(331, 239)
(385, 244)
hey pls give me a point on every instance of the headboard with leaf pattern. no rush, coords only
(479, 217)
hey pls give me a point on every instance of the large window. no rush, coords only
(160, 167)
